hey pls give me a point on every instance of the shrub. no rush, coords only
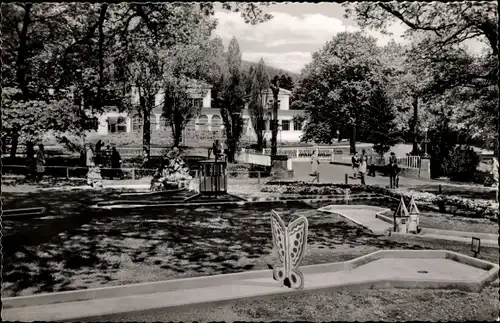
(462, 163)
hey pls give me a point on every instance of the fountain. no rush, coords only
(172, 174)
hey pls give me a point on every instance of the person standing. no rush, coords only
(393, 171)
(94, 173)
(362, 167)
(495, 175)
(216, 149)
(116, 162)
(315, 163)
(98, 153)
(355, 164)
(371, 165)
(40, 162)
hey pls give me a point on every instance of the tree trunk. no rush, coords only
(146, 131)
(415, 125)
(4, 144)
(274, 124)
(177, 130)
(21, 55)
(101, 54)
(30, 149)
(352, 140)
(13, 144)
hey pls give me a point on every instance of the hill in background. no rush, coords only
(271, 71)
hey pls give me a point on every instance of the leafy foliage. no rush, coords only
(380, 122)
(439, 33)
(462, 164)
(230, 98)
(259, 84)
(336, 88)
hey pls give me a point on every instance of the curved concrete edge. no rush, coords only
(326, 209)
(217, 280)
(383, 217)
(100, 309)
(233, 203)
(467, 240)
(465, 234)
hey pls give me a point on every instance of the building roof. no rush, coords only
(281, 92)
(246, 112)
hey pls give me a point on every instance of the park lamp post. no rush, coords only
(426, 130)
(476, 246)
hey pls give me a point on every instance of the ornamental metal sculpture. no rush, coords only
(290, 243)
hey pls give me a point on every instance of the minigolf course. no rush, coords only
(435, 269)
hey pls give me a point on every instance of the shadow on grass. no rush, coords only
(79, 246)
(470, 192)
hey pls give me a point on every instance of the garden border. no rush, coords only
(84, 303)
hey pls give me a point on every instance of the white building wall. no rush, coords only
(207, 100)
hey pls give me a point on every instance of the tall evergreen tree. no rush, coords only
(380, 123)
(259, 86)
(232, 100)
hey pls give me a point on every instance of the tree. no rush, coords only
(232, 94)
(44, 44)
(440, 30)
(336, 87)
(186, 64)
(381, 122)
(286, 82)
(275, 89)
(258, 87)
(31, 119)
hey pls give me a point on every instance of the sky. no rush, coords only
(295, 32)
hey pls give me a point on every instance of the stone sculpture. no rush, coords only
(172, 173)
(290, 243)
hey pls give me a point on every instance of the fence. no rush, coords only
(80, 172)
(68, 172)
(338, 155)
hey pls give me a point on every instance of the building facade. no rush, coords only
(209, 120)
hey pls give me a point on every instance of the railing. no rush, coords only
(254, 158)
(339, 155)
(79, 172)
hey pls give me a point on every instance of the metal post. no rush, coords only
(346, 179)
(440, 189)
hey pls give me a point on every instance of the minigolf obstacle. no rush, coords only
(401, 217)
(407, 221)
(290, 242)
(414, 223)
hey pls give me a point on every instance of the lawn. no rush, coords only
(73, 248)
(386, 305)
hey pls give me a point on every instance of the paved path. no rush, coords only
(362, 215)
(383, 269)
(336, 174)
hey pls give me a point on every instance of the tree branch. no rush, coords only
(90, 33)
(410, 24)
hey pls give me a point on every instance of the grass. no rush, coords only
(71, 249)
(389, 305)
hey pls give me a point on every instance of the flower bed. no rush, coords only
(450, 204)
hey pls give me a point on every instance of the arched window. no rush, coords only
(136, 122)
(203, 123)
(117, 124)
(216, 122)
